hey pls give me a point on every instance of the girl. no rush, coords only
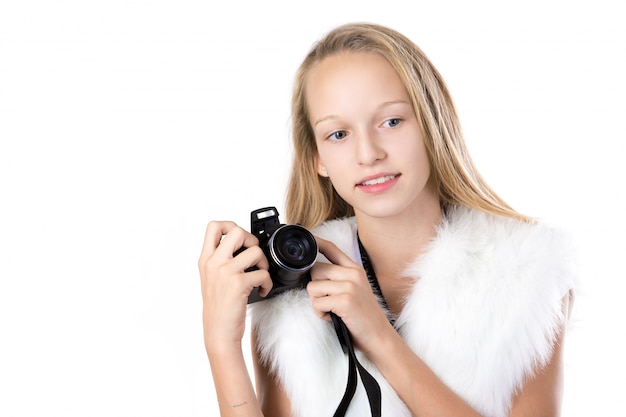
(464, 308)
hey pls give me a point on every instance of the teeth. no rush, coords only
(379, 180)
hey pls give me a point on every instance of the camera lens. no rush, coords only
(293, 247)
(294, 250)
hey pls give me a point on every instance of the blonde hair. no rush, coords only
(312, 199)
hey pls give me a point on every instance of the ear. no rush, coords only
(321, 169)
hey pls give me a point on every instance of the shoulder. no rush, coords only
(489, 288)
(467, 223)
(501, 244)
(490, 270)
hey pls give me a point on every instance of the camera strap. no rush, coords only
(370, 384)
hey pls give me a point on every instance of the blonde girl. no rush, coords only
(456, 303)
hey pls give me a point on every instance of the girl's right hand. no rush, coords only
(225, 283)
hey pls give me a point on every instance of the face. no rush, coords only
(368, 138)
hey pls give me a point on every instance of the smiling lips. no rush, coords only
(379, 183)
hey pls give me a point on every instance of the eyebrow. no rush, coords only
(380, 107)
(323, 119)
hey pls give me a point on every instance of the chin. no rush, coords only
(393, 208)
(380, 211)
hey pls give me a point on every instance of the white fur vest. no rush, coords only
(483, 313)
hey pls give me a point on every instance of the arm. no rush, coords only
(235, 394)
(225, 289)
(426, 395)
(273, 399)
(414, 382)
(343, 288)
(541, 395)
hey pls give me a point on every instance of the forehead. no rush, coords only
(350, 78)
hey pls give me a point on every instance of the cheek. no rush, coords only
(413, 151)
(336, 170)
(422, 165)
(326, 163)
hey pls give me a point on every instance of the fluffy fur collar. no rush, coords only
(483, 313)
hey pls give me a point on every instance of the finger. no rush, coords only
(325, 288)
(333, 253)
(226, 237)
(252, 256)
(235, 239)
(214, 232)
(327, 303)
(260, 278)
(323, 306)
(324, 272)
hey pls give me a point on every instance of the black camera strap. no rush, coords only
(370, 384)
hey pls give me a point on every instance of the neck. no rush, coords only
(392, 243)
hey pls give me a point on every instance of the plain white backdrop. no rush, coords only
(125, 126)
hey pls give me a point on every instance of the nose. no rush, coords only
(368, 148)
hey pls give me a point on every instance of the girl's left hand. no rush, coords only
(342, 288)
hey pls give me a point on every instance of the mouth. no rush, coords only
(378, 180)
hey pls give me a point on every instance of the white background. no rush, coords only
(126, 126)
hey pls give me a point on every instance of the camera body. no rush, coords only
(290, 249)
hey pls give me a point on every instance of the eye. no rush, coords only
(392, 122)
(338, 135)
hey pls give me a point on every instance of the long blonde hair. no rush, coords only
(311, 198)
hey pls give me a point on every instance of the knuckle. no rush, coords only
(257, 251)
(201, 262)
(344, 299)
(213, 226)
(219, 226)
(237, 233)
(310, 289)
(350, 287)
(204, 264)
(235, 230)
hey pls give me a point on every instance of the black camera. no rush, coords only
(290, 249)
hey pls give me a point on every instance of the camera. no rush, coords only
(290, 249)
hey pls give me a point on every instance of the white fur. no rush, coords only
(483, 313)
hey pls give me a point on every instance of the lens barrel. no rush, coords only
(292, 248)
